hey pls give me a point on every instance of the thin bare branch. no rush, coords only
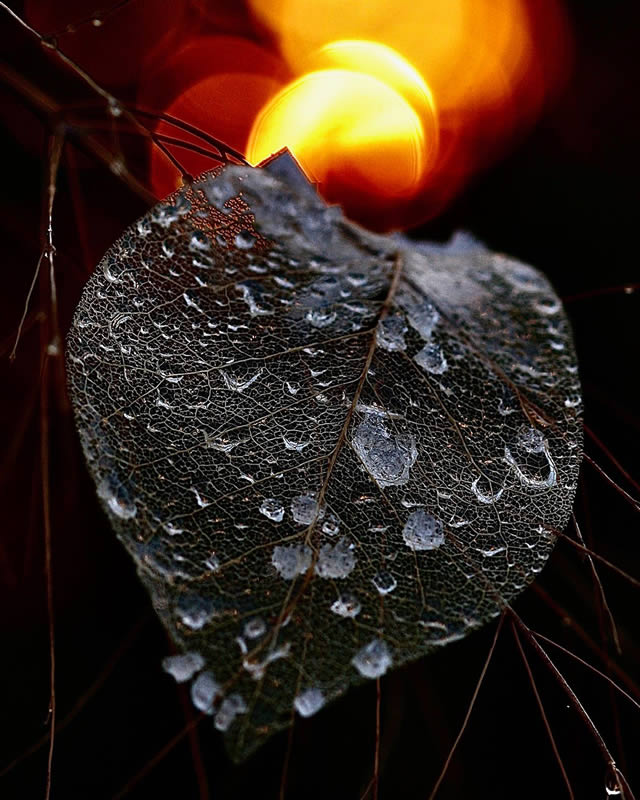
(472, 703)
(543, 713)
(575, 702)
(603, 598)
(589, 666)
(611, 457)
(629, 498)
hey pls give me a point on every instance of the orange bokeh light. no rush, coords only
(364, 127)
(389, 106)
(486, 65)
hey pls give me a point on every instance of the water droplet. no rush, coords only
(387, 458)
(202, 502)
(229, 709)
(283, 282)
(489, 552)
(224, 444)
(272, 509)
(182, 205)
(310, 701)
(257, 668)
(202, 261)
(291, 560)
(172, 530)
(573, 401)
(486, 498)
(143, 226)
(384, 582)
(253, 296)
(356, 278)
(199, 242)
(204, 691)
(115, 109)
(212, 562)
(520, 276)
(612, 784)
(194, 610)
(117, 498)
(530, 445)
(184, 666)
(190, 302)
(336, 561)
(422, 314)
(320, 318)
(373, 660)
(168, 248)
(305, 509)
(255, 628)
(422, 531)
(390, 333)
(164, 216)
(245, 240)
(331, 525)
(347, 605)
(237, 383)
(290, 444)
(112, 271)
(431, 358)
(547, 305)
(531, 440)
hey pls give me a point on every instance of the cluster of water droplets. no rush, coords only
(227, 378)
(206, 692)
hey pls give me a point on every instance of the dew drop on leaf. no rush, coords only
(183, 666)
(309, 701)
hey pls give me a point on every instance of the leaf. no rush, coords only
(328, 452)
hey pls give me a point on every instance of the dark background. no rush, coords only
(565, 198)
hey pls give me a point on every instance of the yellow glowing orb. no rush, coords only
(366, 121)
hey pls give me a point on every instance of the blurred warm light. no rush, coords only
(384, 63)
(365, 129)
(487, 65)
(465, 49)
(215, 83)
(390, 106)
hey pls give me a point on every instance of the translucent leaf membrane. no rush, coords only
(329, 452)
